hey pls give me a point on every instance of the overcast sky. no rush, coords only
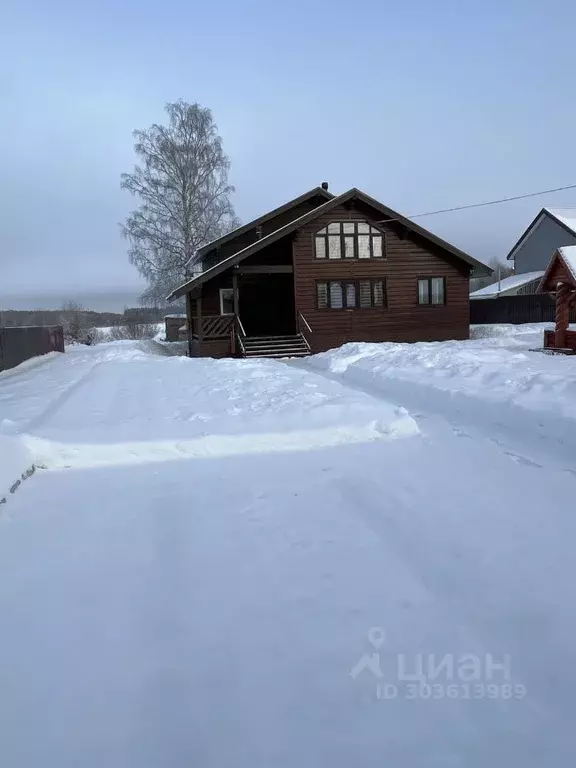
(421, 104)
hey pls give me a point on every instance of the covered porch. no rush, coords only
(247, 311)
(245, 306)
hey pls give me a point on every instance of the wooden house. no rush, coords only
(323, 270)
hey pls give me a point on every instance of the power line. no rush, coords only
(489, 202)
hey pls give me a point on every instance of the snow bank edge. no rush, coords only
(16, 465)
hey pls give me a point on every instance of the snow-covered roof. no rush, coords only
(568, 253)
(566, 216)
(509, 284)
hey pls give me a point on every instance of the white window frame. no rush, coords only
(345, 235)
(227, 290)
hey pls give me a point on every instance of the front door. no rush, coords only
(266, 304)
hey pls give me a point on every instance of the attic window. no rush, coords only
(350, 240)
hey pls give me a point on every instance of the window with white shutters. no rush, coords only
(365, 293)
(335, 294)
(322, 295)
(350, 294)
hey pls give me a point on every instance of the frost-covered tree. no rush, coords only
(75, 323)
(182, 184)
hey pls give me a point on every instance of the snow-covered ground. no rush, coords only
(495, 381)
(105, 333)
(244, 563)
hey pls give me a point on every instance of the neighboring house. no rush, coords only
(321, 271)
(514, 285)
(551, 229)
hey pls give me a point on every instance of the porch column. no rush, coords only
(235, 290)
(199, 331)
(563, 298)
(189, 321)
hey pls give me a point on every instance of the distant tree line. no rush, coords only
(87, 317)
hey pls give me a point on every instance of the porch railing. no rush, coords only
(230, 327)
(239, 335)
(221, 327)
(304, 329)
(212, 326)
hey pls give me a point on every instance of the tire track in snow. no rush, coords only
(54, 406)
(469, 417)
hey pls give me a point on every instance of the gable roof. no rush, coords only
(353, 193)
(316, 192)
(566, 257)
(565, 217)
(568, 253)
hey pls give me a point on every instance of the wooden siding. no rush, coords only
(408, 258)
(211, 294)
(558, 274)
(214, 348)
(247, 238)
(277, 254)
(550, 340)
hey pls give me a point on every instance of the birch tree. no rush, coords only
(182, 184)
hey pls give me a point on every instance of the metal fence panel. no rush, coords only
(19, 343)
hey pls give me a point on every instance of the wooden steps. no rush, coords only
(276, 346)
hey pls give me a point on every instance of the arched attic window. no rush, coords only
(349, 240)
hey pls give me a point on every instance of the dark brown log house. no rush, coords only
(323, 270)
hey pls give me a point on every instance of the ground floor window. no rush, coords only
(350, 294)
(226, 301)
(432, 290)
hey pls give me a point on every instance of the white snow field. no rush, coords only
(245, 563)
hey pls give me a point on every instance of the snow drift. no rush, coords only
(134, 402)
(502, 369)
(16, 463)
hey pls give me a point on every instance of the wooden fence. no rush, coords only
(534, 308)
(19, 343)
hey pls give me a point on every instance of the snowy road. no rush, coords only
(196, 573)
